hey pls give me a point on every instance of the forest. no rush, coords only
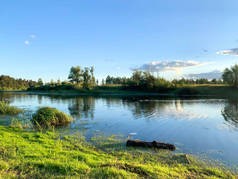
(8, 83)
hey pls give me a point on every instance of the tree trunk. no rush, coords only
(154, 144)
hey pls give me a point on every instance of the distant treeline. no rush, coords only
(145, 81)
(124, 80)
(8, 83)
(83, 78)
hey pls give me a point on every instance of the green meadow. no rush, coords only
(33, 154)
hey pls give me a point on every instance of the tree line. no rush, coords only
(8, 83)
(124, 80)
(83, 78)
(79, 78)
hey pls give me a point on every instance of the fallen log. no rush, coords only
(154, 144)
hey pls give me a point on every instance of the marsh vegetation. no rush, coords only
(6, 109)
(46, 117)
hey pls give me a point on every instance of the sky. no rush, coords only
(44, 39)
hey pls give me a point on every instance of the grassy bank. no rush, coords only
(31, 154)
(216, 90)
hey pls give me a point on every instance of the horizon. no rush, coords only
(174, 39)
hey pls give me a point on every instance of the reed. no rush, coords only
(6, 109)
(46, 117)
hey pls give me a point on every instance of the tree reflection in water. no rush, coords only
(230, 112)
(82, 107)
(145, 108)
(11, 97)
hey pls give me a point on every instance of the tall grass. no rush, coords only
(46, 117)
(5, 108)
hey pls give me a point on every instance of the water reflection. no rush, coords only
(10, 97)
(82, 107)
(230, 113)
(164, 108)
(145, 108)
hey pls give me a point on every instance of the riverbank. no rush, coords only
(206, 90)
(31, 154)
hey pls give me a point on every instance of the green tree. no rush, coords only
(58, 82)
(108, 80)
(76, 75)
(215, 81)
(92, 75)
(52, 82)
(86, 78)
(40, 82)
(148, 80)
(137, 77)
(230, 76)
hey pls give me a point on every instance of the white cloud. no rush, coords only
(209, 75)
(27, 42)
(176, 65)
(233, 52)
(32, 36)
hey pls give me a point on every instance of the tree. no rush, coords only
(9, 83)
(92, 75)
(52, 82)
(230, 76)
(76, 75)
(86, 78)
(40, 82)
(58, 82)
(108, 80)
(214, 80)
(137, 77)
(148, 80)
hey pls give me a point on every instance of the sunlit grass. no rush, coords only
(40, 155)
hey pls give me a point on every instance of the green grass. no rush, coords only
(31, 154)
(46, 117)
(6, 109)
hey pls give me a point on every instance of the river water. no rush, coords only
(203, 127)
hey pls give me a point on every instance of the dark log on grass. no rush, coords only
(155, 144)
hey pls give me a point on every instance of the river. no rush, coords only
(202, 127)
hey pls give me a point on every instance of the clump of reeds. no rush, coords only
(46, 117)
(5, 108)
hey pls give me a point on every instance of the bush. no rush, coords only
(5, 108)
(47, 117)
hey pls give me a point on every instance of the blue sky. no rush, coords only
(45, 38)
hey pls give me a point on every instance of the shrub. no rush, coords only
(48, 117)
(5, 108)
